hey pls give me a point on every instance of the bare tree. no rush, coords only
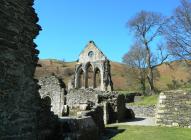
(147, 28)
(178, 31)
(135, 59)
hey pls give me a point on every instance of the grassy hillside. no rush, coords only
(62, 69)
(175, 75)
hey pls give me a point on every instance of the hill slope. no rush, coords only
(171, 76)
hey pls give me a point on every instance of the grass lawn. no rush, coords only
(147, 100)
(151, 133)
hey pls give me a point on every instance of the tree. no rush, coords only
(147, 28)
(135, 58)
(178, 31)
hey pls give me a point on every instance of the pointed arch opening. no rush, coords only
(81, 79)
(90, 76)
(97, 78)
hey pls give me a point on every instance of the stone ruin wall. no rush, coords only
(22, 115)
(75, 97)
(113, 104)
(79, 129)
(92, 70)
(174, 109)
(53, 88)
(143, 111)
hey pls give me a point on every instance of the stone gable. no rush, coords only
(91, 53)
(93, 70)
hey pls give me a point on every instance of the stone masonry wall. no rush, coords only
(112, 102)
(174, 109)
(83, 95)
(54, 88)
(80, 96)
(143, 111)
(78, 129)
(20, 104)
(97, 115)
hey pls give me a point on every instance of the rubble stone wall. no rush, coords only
(80, 96)
(113, 103)
(97, 115)
(78, 129)
(174, 109)
(54, 88)
(20, 104)
(143, 111)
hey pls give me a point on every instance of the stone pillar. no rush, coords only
(75, 81)
(121, 109)
(106, 113)
(86, 78)
(94, 79)
(102, 86)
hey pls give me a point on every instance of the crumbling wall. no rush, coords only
(80, 96)
(97, 115)
(20, 105)
(78, 129)
(174, 109)
(121, 109)
(54, 88)
(143, 111)
(113, 103)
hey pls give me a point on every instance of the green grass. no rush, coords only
(152, 133)
(146, 101)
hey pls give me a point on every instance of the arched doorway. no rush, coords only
(81, 79)
(97, 78)
(90, 77)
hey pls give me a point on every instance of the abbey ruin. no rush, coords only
(90, 88)
(93, 70)
(45, 109)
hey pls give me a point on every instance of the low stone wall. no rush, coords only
(81, 96)
(174, 109)
(143, 111)
(78, 129)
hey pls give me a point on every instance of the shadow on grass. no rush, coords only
(110, 132)
(136, 119)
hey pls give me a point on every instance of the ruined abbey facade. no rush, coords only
(93, 70)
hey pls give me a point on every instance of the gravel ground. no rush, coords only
(144, 121)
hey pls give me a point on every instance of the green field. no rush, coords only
(146, 101)
(150, 133)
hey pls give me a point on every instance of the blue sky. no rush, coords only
(68, 25)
